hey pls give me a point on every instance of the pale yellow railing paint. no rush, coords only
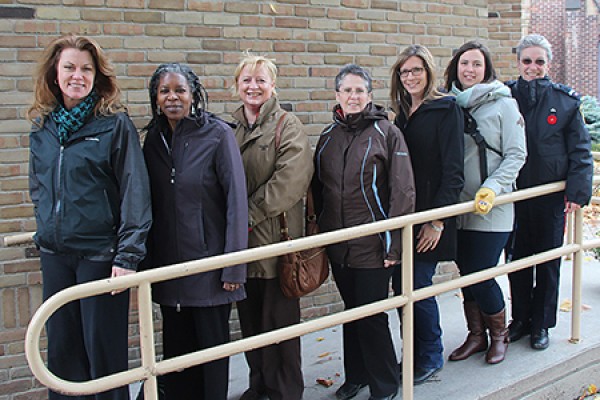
(150, 368)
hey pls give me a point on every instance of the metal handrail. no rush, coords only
(150, 368)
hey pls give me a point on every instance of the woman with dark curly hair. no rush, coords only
(89, 187)
(200, 210)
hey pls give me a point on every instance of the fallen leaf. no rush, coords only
(566, 305)
(324, 354)
(320, 339)
(324, 382)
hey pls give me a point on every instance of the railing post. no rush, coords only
(577, 272)
(569, 228)
(147, 340)
(407, 319)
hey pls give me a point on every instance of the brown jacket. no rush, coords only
(276, 180)
(363, 174)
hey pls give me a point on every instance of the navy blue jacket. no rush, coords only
(558, 143)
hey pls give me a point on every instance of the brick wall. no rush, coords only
(310, 40)
(575, 36)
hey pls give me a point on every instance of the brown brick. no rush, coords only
(239, 32)
(126, 57)
(202, 31)
(339, 37)
(101, 15)
(310, 11)
(242, 8)
(204, 58)
(291, 22)
(15, 386)
(17, 41)
(219, 45)
(8, 309)
(340, 13)
(354, 26)
(142, 16)
(126, 3)
(205, 6)
(289, 47)
(163, 30)
(385, 4)
(123, 29)
(355, 3)
(275, 34)
(322, 48)
(36, 27)
(254, 20)
(324, 71)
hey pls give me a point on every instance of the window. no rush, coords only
(573, 5)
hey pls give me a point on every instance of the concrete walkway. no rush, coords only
(568, 367)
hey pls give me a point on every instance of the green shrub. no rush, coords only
(591, 115)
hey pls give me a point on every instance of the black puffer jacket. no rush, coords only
(558, 143)
(362, 174)
(91, 196)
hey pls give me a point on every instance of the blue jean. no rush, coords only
(478, 251)
(427, 331)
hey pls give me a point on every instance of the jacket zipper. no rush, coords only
(343, 194)
(59, 194)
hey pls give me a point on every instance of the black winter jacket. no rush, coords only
(362, 175)
(558, 143)
(435, 139)
(199, 206)
(91, 196)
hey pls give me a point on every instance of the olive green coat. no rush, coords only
(277, 180)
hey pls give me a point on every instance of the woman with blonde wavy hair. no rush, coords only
(89, 187)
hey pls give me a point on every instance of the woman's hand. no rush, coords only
(118, 271)
(230, 286)
(390, 263)
(429, 236)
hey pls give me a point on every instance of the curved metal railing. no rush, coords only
(150, 368)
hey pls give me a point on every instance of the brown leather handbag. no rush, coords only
(301, 272)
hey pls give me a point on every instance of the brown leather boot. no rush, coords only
(477, 338)
(499, 337)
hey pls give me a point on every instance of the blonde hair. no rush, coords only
(254, 61)
(47, 92)
(401, 99)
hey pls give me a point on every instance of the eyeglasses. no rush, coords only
(540, 62)
(416, 71)
(350, 91)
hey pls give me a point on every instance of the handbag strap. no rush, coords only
(283, 226)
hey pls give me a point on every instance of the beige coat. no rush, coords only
(276, 180)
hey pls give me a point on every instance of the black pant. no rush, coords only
(275, 370)
(369, 355)
(192, 329)
(87, 338)
(540, 227)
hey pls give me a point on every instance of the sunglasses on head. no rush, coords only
(539, 62)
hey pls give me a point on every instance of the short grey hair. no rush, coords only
(353, 69)
(534, 40)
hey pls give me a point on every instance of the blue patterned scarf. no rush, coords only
(70, 121)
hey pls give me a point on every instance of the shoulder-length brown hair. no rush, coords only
(47, 92)
(401, 100)
(451, 73)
